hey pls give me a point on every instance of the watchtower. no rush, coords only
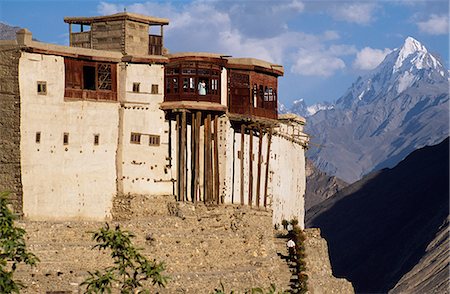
(128, 33)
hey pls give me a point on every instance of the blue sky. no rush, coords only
(323, 45)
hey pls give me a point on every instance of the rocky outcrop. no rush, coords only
(319, 185)
(319, 271)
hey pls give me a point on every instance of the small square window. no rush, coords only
(96, 139)
(66, 139)
(135, 138)
(42, 88)
(153, 140)
(155, 89)
(38, 137)
(136, 87)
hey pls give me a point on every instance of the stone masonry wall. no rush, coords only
(10, 174)
(201, 246)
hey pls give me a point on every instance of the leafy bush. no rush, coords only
(13, 249)
(130, 268)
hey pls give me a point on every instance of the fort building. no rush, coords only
(115, 115)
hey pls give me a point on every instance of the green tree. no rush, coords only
(130, 267)
(13, 249)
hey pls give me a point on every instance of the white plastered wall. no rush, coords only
(288, 180)
(144, 169)
(286, 177)
(74, 181)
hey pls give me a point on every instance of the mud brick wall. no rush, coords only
(10, 174)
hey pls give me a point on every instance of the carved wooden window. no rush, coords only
(153, 140)
(135, 138)
(90, 80)
(42, 88)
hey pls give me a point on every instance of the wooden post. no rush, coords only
(183, 156)
(90, 35)
(162, 39)
(207, 169)
(70, 34)
(250, 169)
(242, 162)
(193, 141)
(266, 180)
(258, 178)
(216, 159)
(197, 155)
(177, 115)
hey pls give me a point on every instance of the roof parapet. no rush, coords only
(24, 37)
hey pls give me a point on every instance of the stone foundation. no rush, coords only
(201, 246)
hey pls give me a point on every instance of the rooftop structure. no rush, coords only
(124, 32)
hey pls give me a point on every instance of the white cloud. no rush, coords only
(359, 13)
(435, 25)
(369, 58)
(316, 63)
(203, 26)
(294, 5)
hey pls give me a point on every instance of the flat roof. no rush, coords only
(118, 16)
(253, 63)
(196, 54)
(292, 117)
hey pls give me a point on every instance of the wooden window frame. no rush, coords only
(154, 140)
(135, 138)
(66, 139)
(41, 87)
(155, 89)
(105, 80)
(38, 137)
(136, 87)
(96, 139)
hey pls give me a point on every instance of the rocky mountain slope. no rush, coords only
(319, 186)
(8, 32)
(388, 230)
(400, 106)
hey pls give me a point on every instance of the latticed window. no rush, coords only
(90, 80)
(104, 76)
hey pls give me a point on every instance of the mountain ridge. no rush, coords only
(400, 106)
(386, 225)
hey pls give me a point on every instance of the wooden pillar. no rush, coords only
(193, 142)
(258, 176)
(197, 155)
(216, 159)
(70, 34)
(208, 161)
(162, 38)
(266, 180)
(250, 169)
(177, 117)
(242, 162)
(183, 157)
(90, 36)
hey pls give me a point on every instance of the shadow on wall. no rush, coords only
(379, 227)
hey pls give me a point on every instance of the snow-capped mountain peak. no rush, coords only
(420, 57)
(399, 71)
